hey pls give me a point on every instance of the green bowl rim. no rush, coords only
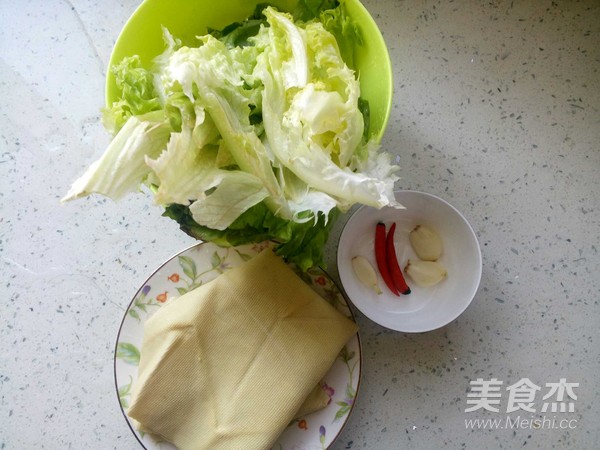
(377, 35)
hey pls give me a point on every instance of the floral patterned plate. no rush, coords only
(200, 264)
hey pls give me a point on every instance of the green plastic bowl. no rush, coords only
(186, 19)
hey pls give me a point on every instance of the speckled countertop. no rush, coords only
(496, 109)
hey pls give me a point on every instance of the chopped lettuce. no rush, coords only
(314, 127)
(122, 168)
(299, 242)
(137, 94)
(307, 10)
(257, 133)
(345, 30)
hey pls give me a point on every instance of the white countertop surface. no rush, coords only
(496, 110)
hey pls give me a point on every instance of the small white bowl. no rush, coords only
(425, 308)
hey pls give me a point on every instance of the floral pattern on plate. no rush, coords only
(200, 264)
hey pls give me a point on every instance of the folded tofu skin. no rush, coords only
(229, 364)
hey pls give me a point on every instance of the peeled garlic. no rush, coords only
(365, 273)
(425, 273)
(426, 243)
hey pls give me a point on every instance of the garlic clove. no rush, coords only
(365, 273)
(425, 273)
(426, 243)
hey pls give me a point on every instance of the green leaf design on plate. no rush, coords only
(129, 353)
(139, 304)
(188, 266)
(124, 392)
(195, 285)
(133, 313)
(182, 290)
(350, 391)
(344, 409)
(244, 256)
(215, 260)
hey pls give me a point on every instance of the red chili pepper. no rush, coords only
(392, 262)
(381, 258)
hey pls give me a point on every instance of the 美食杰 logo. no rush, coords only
(549, 407)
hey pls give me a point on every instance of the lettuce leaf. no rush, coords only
(307, 10)
(346, 32)
(137, 94)
(122, 168)
(210, 76)
(300, 243)
(314, 128)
